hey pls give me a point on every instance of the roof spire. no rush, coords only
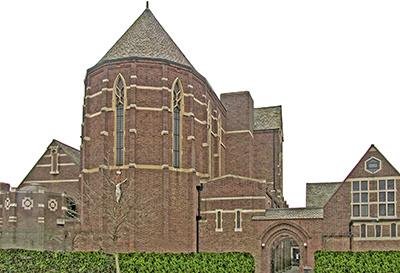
(147, 4)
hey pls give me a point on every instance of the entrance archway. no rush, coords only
(277, 239)
(285, 253)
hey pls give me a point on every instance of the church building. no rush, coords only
(165, 165)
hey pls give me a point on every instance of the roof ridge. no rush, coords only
(146, 38)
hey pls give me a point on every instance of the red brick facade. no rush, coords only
(152, 117)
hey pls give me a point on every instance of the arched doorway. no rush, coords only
(285, 253)
(283, 243)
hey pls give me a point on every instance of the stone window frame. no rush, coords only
(119, 99)
(238, 220)
(393, 230)
(361, 198)
(177, 106)
(378, 230)
(219, 220)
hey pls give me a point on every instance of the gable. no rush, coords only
(57, 169)
(373, 164)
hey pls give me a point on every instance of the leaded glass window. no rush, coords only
(378, 230)
(373, 198)
(177, 101)
(238, 224)
(119, 99)
(363, 230)
(393, 228)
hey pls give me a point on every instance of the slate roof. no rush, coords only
(268, 118)
(290, 214)
(146, 38)
(319, 193)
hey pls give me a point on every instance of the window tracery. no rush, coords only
(119, 96)
(177, 107)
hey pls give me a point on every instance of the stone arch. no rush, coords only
(276, 232)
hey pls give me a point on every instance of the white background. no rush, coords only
(332, 65)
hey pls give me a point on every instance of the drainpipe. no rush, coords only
(273, 158)
(198, 217)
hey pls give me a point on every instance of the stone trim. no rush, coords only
(240, 132)
(232, 198)
(52, 181)
(240, 177)
(148, 167)
(59, 164)
(94, 95)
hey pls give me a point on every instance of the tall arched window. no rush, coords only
(119, 120)
(177, 105)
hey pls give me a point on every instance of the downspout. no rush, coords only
(198, 217)
(274, 160)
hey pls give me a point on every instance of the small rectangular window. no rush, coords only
(382, 209)
(382, 196)
(219, 221)
(390, 184)
(378, 231)
(364, 197)
(238, 221)
(356, 210)
(393, 232)
(364, 210)
(390, 197)
(382, 185)
(363, 231)
(390, 209)
(356, 198)
(364, 185)
(356, 185)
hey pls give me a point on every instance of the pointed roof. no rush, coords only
(385, 167)
(73, 154)
(146, 38)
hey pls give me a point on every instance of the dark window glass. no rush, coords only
(72, 209)
(364, 210)
(119, 96)
(390, 196)
(219, 220)
(356, 185)
(390, 209)
(356, 198)
(393, 229)
(238, 223)
(364, 185)
(382, 210)
(363, 230)
(176, 126)
(378, 231)
(382, 185)
(382, 197)
(364, 197)
(390, 184)
(356, 210)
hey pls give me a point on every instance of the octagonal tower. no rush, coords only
(149, 115)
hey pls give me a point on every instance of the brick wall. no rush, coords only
(148, 148)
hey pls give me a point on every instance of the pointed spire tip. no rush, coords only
(147, 4)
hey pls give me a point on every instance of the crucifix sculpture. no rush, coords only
(118, 184)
